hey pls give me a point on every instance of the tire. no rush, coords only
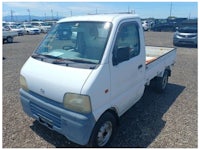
(10, 39)
(20, 34)
(103, 131)
(175, 44)
(161, 82)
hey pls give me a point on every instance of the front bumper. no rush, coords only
(36, 32)
(76, 127)
(182, 40)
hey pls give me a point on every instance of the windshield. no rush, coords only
(14, 27)
(44, 24)
(78, 41)
(188, 29)
(29, 26)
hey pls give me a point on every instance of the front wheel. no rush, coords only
(103, 131)
(10, 39)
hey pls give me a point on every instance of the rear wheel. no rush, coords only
(103, 131)
(160, 83)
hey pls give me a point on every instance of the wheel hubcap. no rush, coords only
(104, 133)
(164, 83)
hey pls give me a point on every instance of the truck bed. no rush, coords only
(157, 60)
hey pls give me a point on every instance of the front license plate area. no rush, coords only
(45, 121)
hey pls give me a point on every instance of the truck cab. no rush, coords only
(85, 74)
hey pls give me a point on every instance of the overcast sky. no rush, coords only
(65, 9)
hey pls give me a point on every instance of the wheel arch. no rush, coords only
(167, 69)
(109, 112)
(114, 112)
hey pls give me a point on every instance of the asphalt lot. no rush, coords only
(167, 120)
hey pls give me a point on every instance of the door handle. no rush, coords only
(140, 66)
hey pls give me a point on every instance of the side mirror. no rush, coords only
(122, 54)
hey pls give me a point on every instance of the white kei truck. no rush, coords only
(88, 71)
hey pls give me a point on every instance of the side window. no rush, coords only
(128, 40)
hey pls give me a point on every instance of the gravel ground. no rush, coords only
(167, 120)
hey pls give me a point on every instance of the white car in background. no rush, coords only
(8, 35)
(44, 27)
(14, 28)
(29, 29)
(145, 25)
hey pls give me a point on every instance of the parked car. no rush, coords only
(14, 28)
(4, 23)
(186, 35)
(168, 24)
(163, 25)
(9, 35)
(44, 27)
(145, 25)
(50, 23)
(29, 29)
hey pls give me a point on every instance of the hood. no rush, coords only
(32, 28)
(46, 27)
(186, 35)
(18, 30)
(53, 81)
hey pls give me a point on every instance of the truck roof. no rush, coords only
(99, 17)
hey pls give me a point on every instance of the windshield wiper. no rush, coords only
(71, 61)
(38, 56)
(61, 62)
(81, 61)
(45, 56)
(51, 56)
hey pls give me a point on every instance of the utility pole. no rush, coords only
(132, 11)
(189, 15)
(52, 14)
(45, 16)
(170, 10)
(11, 15)
(29, 15)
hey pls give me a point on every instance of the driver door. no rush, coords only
(127, 74)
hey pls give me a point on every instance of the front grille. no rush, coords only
(39, 111)
(187, 36)
(191, 36)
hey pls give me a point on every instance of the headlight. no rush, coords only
(176, 33)
(23, 83)
(77, 102)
